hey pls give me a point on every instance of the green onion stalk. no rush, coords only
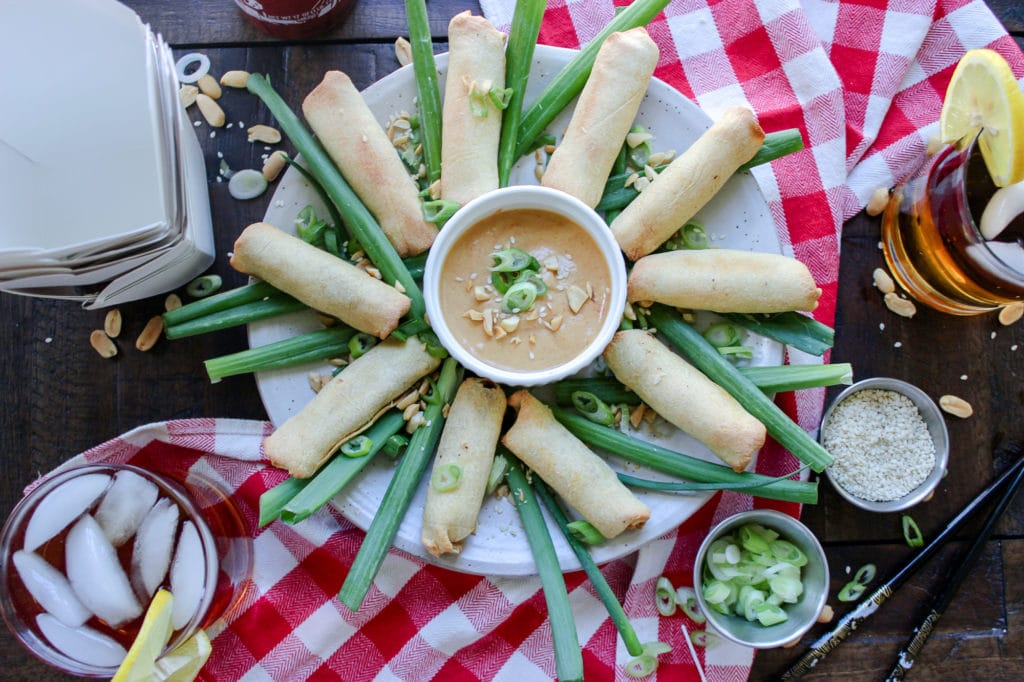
(597, 579)
(674, 463)
(428, 95)
(791, 328)
(568, 654)
(571, 79)
(770, 379)
(707, 359)
(518, 56)
(318, 345)
(400, 491)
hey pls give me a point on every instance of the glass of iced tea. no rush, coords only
(932, 241)
(83, 553)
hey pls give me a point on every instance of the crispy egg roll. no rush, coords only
(469, 439)
(367, 159)
(688, 183)
(318, 279)
(580, 477)
(724, 280)
(471, 123)
(348, 405)
(606, 108)
(686, 398)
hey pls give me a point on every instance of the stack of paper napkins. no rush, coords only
(103, 194)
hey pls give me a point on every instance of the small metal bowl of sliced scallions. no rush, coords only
(761, 578)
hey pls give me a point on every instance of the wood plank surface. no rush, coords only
(62, 398)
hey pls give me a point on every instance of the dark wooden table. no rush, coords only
(60, 398)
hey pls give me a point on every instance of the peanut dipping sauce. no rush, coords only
(560, 324)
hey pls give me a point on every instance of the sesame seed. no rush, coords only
(963, 377)
(881, 445)
(881, 326)
(898, 344)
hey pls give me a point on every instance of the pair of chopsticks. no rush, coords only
(1011, 479)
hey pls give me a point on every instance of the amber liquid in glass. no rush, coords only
(932, 244)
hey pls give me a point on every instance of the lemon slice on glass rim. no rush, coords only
(144, 663)
(984, 96)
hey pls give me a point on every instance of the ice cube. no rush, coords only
(50, 588)
(96, 575)
(61, 506)
(82, 643)
(188, 575)
(125, 505)
(151, 554)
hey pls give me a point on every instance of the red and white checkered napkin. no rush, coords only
(863, 81)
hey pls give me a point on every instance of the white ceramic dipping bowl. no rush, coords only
(525, 198)
(933, 419)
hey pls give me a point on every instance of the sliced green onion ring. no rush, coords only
(657, 648)
(865, 574)
(519, 298)
(359, 344)
(360, 446)
(585, 532)
(687, 598)
(500, 97)
(513, 260)
(693, 236)
(394, 445)
(641, 666)
(439, 210)
(738, 352)
(665, 596)
(203, 286)
(498, 468)
(593, 408)
(851, 591)
(478, 103)
(912, 532)
(703, 638)
(446, 477)
(533, 278)
(723, 334)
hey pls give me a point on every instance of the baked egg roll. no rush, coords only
(724, 280)
(318, 279)
(684, 397)
(348, 405)
(367, 159)
(468, 442)
(606, 108)
(689, 182)
(471, 123)
(582, 478)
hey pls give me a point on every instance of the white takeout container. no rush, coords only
(519, 198)
(103, 192)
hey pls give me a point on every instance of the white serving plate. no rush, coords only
(738, 217)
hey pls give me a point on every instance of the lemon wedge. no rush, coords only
(140, 663)
(184, 662)
(984, 96)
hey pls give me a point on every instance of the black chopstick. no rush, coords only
(906, 656)
(851, 621)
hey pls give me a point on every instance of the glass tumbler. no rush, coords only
(933, 245)
(62, 522)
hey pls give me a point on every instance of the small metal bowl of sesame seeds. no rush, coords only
(890, 444)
